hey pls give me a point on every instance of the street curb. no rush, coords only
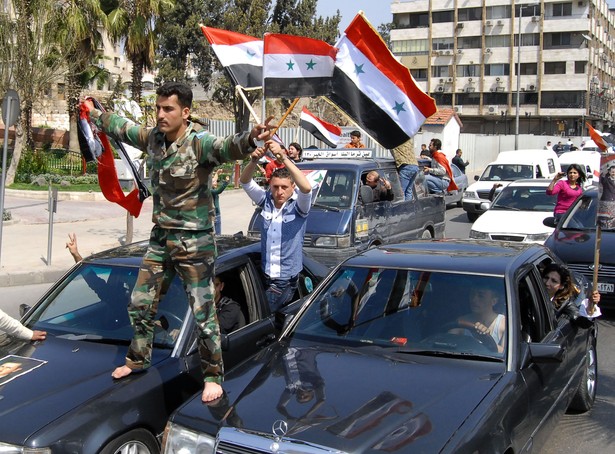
(29, 278)
(44, 195)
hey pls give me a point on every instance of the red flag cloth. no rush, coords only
(326, 132)
(602, 140)
(108, 180)
(441, 158)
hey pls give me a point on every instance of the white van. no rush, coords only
(509, 166)
(588, 160)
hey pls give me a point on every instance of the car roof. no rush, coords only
(132, 254)
(531, 182)
(359, 164)
(450, 255)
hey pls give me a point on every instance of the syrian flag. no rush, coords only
(295, 66)
(376, 90)
(603, 140)
(326, 132)
(241, 55)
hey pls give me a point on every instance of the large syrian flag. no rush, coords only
(241, 55)
(376, 90)
(326, 132)
(295, 66)
(603, 140)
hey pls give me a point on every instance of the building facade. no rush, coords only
(542, 67)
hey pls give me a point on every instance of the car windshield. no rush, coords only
(336, 188)
(91, 304)
(582, 215)
(507, 172)
(524, 198)
(415, 312)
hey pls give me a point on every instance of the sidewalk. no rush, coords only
(99, 225)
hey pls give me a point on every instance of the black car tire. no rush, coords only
(472, 216)
(138, 441)
(459, 203)
(585, 395)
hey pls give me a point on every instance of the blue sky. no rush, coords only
(376, 11)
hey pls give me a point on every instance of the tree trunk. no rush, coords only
(11, 171)
(137, 79)
(73, 93)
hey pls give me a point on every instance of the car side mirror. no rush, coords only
(547, 353)
(24, 309)
(484, 206)
(549, 222)
(476, 178)
(367, 194)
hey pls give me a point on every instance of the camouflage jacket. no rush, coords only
(180, 174)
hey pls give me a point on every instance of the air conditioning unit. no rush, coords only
(458, 109)
(531, 87)
(448, 52)
(499, 88)
(487, 51)
(449, 80)
(488, 23)
(470, 89)
(535, 18)
(440, 88)
(460, 51)
(441, 81)
(500, 22)
(498, 80)
(470, 79)
(460, 25)
(493, 109)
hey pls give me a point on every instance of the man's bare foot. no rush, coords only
(211, 392)
(121, 372)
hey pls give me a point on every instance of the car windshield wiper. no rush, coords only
(94, 338)
(506, 207)
(446, 354)
(325, 207)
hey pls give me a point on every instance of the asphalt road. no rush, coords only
(589, 432)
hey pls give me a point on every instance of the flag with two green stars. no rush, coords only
(375, 89)
(295, 66)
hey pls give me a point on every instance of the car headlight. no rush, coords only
(538, 237)
(13, 449)
(469, 195)
(181, 440)
(332, 241)
(475, 234)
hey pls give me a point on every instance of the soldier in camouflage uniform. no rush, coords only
(181, 158)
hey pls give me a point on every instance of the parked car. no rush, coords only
(509, 166)
(345, 220)
(588, 160)
(461, 180)
(72, 404)
(517, 214)
(384, 358)
(574, 241)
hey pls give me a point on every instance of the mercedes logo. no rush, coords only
(591, 267)
(279, 428)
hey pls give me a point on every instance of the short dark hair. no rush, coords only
(182, 91)
(580, 170)
(437, 143)
(355, 133)
(297, 146)
(281, 172)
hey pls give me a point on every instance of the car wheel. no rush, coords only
(426, 235)
(459, 203)
(583, 399)
(137, 441)
(472, 216)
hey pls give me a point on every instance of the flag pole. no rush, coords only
(590, 304)
(282, 120)
(239, 90)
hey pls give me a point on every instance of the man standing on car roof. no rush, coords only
(181, 158)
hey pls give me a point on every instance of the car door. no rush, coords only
(544, 379)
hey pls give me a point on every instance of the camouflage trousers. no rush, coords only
(190, 254)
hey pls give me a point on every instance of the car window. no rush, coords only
(336, 189)
(535, 321)
(407, 308)
(507, 172)
(92, 303)
(582, 215)
(525, 198)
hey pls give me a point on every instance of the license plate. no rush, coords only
(606, 288)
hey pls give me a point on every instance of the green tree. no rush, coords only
(385, 32)
(298, 17)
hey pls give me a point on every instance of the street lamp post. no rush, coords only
(519, 74)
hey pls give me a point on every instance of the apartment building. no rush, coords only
(547, 65)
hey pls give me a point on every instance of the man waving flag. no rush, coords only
(376, 90)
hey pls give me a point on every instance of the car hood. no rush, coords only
(353, 400)
(578, 246)
(72, 373)
(510, 221)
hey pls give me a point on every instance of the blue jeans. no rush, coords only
(436, 185)
(407, 174)
(218, 225)
(280, 291)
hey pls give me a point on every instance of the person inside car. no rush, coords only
(230, 315)
(381, 187)
(563, 292)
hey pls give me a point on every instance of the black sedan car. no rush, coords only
(574, 241)
(384, 357)
(62, 398)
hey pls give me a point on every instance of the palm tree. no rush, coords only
(133, 23)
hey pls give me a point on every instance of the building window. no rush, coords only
(557, 39)
(419, 73)
(468, 70)
(497, 41)
(440, 71)
(116, 61)
(497, 69)
(528, 69)
(555, 67)
(579, 67)
(468, 14)
(562, 9)
(442, 99)
(528, 97)
(528, 10)
(410, 46)
(562, 99)
(494, 98)
(498, 12)
(443, 44)
(471, 99)
(439, 17)
(469, 42)
(416, 20)
(528, 39)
